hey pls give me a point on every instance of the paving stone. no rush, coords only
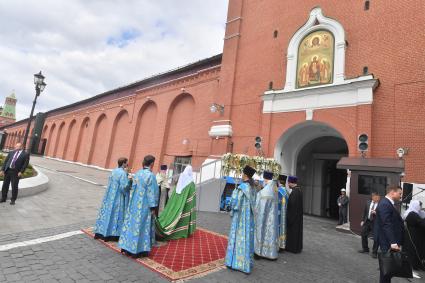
(17, 255)
(6, 264)
(10, 270)
(328, 256)
(26, 273)
(24, 268)
(13, 277)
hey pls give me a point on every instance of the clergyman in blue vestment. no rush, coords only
(282, 205)
(240, 248)
(266, 220)
(138, 231)
(111, 214)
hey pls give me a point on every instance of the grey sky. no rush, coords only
(85, 47)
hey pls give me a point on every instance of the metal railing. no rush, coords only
(198, 175)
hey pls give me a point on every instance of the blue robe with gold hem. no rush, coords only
(283, 200)
(240, 248)
(112, 212)
(266, 222)
(138, 231)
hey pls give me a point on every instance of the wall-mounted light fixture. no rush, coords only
(217, 108)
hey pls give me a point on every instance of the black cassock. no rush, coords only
(414, 243)
(294, 217)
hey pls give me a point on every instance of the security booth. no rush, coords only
(369, 175)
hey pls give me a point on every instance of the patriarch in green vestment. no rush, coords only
(178, 219)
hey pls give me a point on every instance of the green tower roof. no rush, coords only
(9, 109)
(12, 95)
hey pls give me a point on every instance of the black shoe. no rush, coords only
(3, 200)
(364, 251)
(374, 255)
(12, 202)
(98, 236)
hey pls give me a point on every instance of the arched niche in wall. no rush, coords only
(143, 142)
(120, 139)
(60, 139)
(179, 126)
(70, 141)
(99, 142)
(83, 142)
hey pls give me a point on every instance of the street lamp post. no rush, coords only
(39, 87)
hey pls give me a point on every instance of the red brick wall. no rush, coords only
(386, 38)
(154, 121)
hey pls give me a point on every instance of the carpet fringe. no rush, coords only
(200, 275)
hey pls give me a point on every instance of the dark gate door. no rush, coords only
(42, 146)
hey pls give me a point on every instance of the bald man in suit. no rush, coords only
(13, 168)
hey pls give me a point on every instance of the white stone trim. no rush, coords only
(39, 240)
(354, 92)
(221, 131)
(324, 24)
(32, 185)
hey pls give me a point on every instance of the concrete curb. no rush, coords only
(31, 186)
(78, 163)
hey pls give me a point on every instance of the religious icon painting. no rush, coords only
(315, 59)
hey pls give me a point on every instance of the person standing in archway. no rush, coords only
(164, 187)
(294, 218)
(343, 207)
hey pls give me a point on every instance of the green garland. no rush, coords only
(236, 162)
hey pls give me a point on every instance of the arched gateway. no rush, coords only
(311, 150)
(319, 112)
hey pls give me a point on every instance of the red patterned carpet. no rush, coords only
(176, 260)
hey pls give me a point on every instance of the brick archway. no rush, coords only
(118, 146)
(291, 142)
(99, 146)
(68, 153)
(83, 145)
(145, 128)
(59, 138)
(50, 143)
(179, 128)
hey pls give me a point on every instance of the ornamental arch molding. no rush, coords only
(316, 22)
(293, 140)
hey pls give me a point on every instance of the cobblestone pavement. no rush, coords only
(74, 170)
(71, 204)
(328, 256)
(66, 201)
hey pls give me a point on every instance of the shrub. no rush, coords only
(29, 172)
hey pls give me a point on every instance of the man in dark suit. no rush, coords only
(389, 226)
(368, 221)
(13, 168)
